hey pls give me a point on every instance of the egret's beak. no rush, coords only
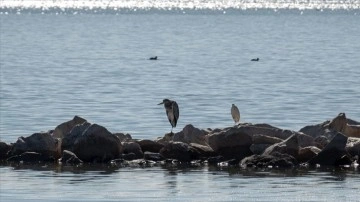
(160, 103)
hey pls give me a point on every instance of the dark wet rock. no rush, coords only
(353, 146)
(129, 156)
(204, 151)
(275, 160)
(215, 160)
(133, 147)
(259, 148)
(264, 139)
(97, 144)
(321, 141)
(333, 152)
(150, 146)
(65, 128)
(69, 157)
(190, 134)
(153, 156)
(92, 142)
(344, 160)
(289, 146)
(341, 125)
(4, 149)
(67, 143)
(123, 137)
(42, 143)
(307, 153)
(31, 157)
(230, 143)
(180, 151)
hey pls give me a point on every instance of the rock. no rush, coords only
(353, 146)
(92, 143)
(307, 153)
(215, 160)
(30, 157)
(69, 157)
(150, 146)
(190, 134)
(164, 140)
(321, 142)
(305, 140)
(265, 129)
(4, 149)
(180, 151)
(329, 128)
(204, 151)
(340, 124)
(64, 128)
(129, 156)
(42, 143)
(231, 143)
(133, 147)
(68, 141)
(123, 137)
(264, 161)
(264, 139)
(289, 146)
(259, 148)
(333, 152)
(153, 156)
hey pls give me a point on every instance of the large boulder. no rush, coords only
(340, 124)
(231, 143)
(180, 151)
(264, 129)
(92, 143)
(264, 139)
(330, 128)
(64, 128)
(332, 153)
(150, 146)
(307, 153)
(4, 149)
(190, 134)
(41, 143)
(289, 146)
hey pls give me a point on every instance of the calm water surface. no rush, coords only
(54, 66)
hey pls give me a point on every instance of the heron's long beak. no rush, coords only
(160, 103)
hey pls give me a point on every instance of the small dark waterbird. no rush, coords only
(172, 111)
(153, 58)
(255, 59)
(235, 113)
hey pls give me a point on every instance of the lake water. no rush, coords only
(58, 62)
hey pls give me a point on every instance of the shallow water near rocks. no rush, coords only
(165, 183)
(55, 64)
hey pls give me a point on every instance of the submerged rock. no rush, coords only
(275, 160)
(69, 157)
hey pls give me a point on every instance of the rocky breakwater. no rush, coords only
(248, 145)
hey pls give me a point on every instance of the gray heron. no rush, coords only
(235, 113)
(172, 111)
